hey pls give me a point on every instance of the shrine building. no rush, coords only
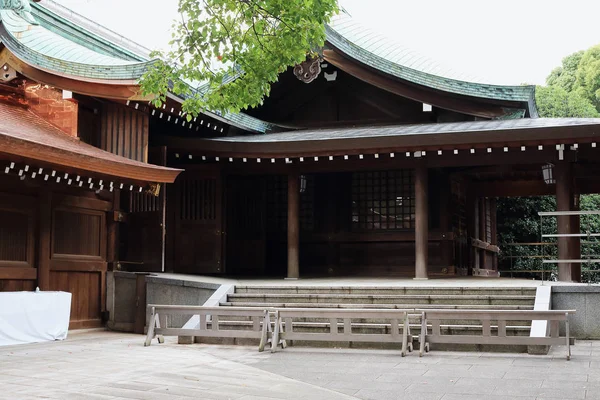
(369, 161)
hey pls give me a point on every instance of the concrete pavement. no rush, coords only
(106, 365)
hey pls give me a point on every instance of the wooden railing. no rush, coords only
(485, 317)
(284, 326)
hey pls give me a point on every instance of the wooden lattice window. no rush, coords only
(277, 203)
(78, 233)
(277, 199)
(198, 199)
(383, 200)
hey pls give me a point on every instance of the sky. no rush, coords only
(508, 42)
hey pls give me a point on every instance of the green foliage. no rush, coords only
(587, 83)
(518, 222)
(235, 49)
(556, 102)
(565, 76)
(573, 91)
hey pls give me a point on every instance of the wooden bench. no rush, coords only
(159, 323)
(485, 317)
(284, 326)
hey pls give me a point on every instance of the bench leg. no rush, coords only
(568, 338)
(264, 333)
(423, 335)
(405, 335)
(150, 334)
(275, 339)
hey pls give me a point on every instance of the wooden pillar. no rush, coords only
(564, 198)
(45, 229)
(421, 222)
(293, 228)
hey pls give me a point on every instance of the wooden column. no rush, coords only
(45, 229)
(421, 222)
(293, 229)
(564, 198)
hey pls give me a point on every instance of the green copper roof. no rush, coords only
(61, 43)
(374, 51)
(68, 43)
(47, 50)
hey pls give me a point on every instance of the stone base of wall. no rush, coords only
(585, 299)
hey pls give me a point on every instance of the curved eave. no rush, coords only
(24, 135)
(114, 89)
(518, 95)
(339, 142)
(127, 71)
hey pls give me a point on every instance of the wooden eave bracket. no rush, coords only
(480, 244)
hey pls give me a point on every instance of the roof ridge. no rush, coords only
(84, 23)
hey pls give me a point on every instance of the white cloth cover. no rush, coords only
(29, 317)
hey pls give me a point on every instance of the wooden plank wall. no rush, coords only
(55, 241)
(124, 131)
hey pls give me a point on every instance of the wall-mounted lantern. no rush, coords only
(548, 173)
(302, 183)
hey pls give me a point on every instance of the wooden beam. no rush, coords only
(69, 265)
(421, 222)
(44, 242)
(18, 273)
(293, 226)
(483, 245)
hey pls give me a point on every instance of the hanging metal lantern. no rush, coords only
(548, 173)
(302, 183)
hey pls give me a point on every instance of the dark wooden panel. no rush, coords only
(198, 223)
(145, 229)
(78, 232)
(66, 201)
(17, 241)
(246, 211)
(85, 289)
(16, 285)
(19, 273)
(124, 131)
(15, 238)
(61, 264)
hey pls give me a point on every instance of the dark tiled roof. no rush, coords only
(419, 129)
(398, 138)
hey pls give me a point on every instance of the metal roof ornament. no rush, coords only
(21, 7)
(307, 71)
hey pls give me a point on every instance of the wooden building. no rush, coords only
(368, 161)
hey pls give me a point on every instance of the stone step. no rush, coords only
(386, 290)
(383, 299)
(381, 306)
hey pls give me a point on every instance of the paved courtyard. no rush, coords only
(105, 365)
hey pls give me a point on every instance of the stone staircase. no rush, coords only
(492, 298)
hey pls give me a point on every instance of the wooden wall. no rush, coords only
(124, 131)
(55, 240)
